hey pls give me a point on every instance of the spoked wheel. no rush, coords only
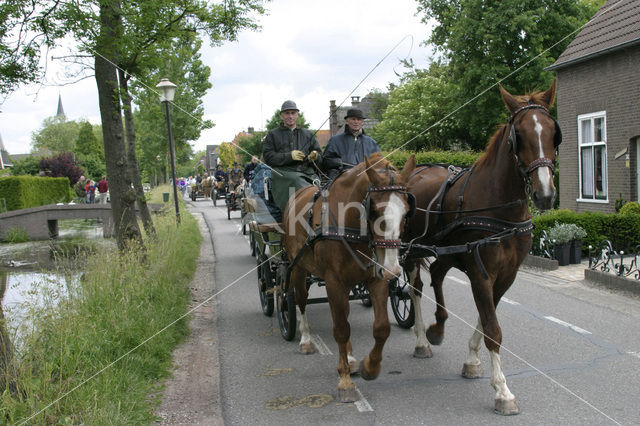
(401, 304)
(286, 305)
(264, 285)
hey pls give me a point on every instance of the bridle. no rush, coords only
(512, 140)
(366, 203)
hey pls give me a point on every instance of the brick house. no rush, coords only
(336, 114)
(598, 101)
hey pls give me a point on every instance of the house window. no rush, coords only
(592, 144)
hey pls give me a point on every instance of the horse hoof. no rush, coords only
(422, 352)
(506, 407)
(307, 348)
(347, 395)
(471, 371)
(364, 374)
(434, 338)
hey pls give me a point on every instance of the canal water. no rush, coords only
(30, 272)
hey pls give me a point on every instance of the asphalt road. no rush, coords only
(571, 353)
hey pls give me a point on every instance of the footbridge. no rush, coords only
(41, 222)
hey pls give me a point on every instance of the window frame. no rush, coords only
(591, 117)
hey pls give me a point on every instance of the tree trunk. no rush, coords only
(123, 197)
(7, 372)
(132, 161)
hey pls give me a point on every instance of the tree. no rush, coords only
(251, 145)
(27, 166)
(276, 120)
(87, 143)
(56, 135)
(380, 101)
(412, 120)
(61, 165)
(484, 41)
(227, 154)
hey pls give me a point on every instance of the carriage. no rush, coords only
(233, 200)
(220, 191)
(476, 220)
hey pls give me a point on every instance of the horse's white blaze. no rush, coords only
(474, 345)
(394, 212)
(498, 381)
(544, 173)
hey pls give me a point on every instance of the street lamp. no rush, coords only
(167, 90)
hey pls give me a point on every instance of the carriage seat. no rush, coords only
(267, 227)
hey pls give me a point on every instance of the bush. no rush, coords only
(458, 158)
(21, 192)
(631, 207)
(561, 233)
(16, 235)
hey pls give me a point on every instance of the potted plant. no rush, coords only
(575, 252)
(561, 234)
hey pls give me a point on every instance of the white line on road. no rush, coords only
(509, 301)
(362, 405)
(566, 324)
(636, 354)
(322, 348)
(458, 280)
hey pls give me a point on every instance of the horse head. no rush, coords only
(388, 206)
(533, 137)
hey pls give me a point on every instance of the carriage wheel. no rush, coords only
(361, 292)
(252, 244)
(229, 211)
(214, 197)
(401, 304)
(286, 305)
(265, 284)
(244, 229)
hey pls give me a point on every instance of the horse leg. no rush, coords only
(435, 333)
(471, 369)
(370, 366)
(422, 348)
(298, 278)
(504, 400)
(338, 296)
(353, 362)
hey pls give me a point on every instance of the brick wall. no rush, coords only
(610, 83)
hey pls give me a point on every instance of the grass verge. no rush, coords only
(119, 301)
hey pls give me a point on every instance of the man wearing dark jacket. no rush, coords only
(350, 147)
(289, 150)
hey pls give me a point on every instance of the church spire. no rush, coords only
(60, 112)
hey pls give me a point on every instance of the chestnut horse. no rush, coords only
(484, 209)
(361, 218)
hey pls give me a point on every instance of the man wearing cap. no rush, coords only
(290, 150)
(235, 177)
(350, 147)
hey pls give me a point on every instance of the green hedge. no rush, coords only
(623, 230)
(21, 192)
(459, 158)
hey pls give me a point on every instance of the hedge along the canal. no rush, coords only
(21, 192)
(623, 230)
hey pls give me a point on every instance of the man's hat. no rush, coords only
(287, 105)
(354, 112)
(235, 164)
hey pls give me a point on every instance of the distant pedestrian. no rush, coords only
(103, 188)
(80, 191)
(90, 189)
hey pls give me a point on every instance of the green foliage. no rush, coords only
(379, 103)
(457, 158)
(21, 192)
(200, 169)
(622, 230)
(56, 135)
(94, 167)
(250, 145)
(227, 154)
(482, 42)
(631, 207)
(619, 203)
(118, 304)
(87, 144)
(27, 166)
(16, 235)
(560, 233)
(275, 121)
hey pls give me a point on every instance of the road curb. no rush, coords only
(540, 262)
(611, 281)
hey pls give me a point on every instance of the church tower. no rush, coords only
(60, 112)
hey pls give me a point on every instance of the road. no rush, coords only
(571, 353)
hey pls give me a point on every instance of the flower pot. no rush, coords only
(562, 253)
(575, 252)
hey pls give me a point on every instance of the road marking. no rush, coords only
(509, 301)
(636, 354)
(362, 405)
(322, 348)
(566, 324)
(458, 280)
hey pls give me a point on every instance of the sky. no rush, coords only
(307, 51)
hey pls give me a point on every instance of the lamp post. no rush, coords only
(167, 90)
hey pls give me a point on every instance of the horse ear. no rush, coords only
(408, 168)
(549, 96)
(371, 173)
(509, 100)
